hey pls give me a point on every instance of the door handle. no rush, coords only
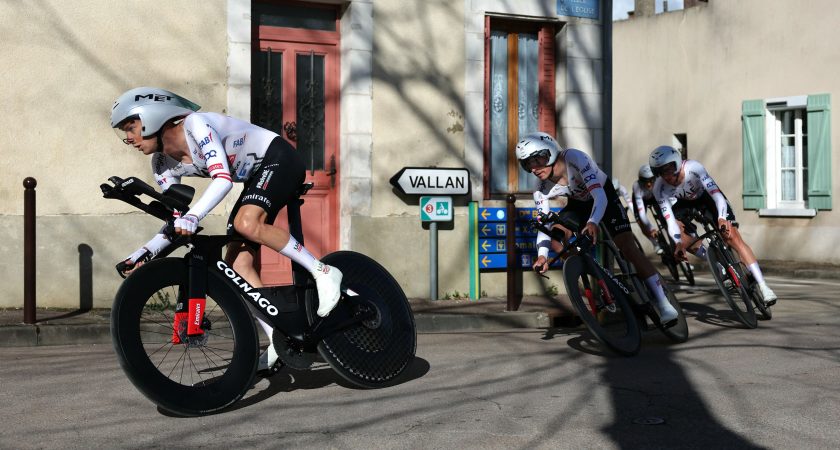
(332, 171)
(291, 130)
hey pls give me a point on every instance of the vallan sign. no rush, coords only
(432, 181)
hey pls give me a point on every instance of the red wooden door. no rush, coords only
(300, 68)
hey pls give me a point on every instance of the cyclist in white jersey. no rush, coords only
(693, 187)
(591, 200)
(183, 142)
(642, 197)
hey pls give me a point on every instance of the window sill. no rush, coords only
(787, 212)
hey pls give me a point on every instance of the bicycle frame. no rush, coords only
(281, 306)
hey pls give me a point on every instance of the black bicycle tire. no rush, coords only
(365, 356)
(678, 332)
(126, 332)
(667, 257)
(763, 311)
(747, 316)
(627, 345)
(688, 273)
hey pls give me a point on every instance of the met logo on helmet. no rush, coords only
(153, 97)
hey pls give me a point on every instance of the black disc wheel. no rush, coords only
(728, 277)
(667, 257)
(187, 375)
(602, 306)
(374, 351)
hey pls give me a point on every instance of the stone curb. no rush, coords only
(22, 335)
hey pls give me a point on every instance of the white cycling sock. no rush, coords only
(756, 273)
(654, 284)
(295, 251)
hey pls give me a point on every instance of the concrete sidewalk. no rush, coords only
(60, 327)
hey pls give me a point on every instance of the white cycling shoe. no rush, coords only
(658, 249)
(767, 294)
(328, 282)
(667, 313)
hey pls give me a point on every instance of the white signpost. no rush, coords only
(432, 181)
(436, 185)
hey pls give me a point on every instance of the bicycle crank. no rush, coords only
(290, 351)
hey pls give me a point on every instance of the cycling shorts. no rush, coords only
(706, 205)
(274, 184)
(577, 212)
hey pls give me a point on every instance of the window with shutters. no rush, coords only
(787, 155)
(519, 98)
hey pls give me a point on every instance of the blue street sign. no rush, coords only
(499, 260)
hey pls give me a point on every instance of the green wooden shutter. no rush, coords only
(753, 143)
(819, 151)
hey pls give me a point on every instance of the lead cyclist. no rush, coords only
(592, 199)
(183, 142)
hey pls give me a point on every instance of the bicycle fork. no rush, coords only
(191, 313)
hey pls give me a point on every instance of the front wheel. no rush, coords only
(729, 279)
(371, 353)
(187, 375)
(602, 306)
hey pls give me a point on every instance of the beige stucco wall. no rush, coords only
(62, 69)
(689, 71)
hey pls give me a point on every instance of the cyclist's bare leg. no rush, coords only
(646, 271)
(735, 241)
(250, 222)
(243, 260)
(628, 248)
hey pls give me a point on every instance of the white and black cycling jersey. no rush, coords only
(696, 181)
(223, 148)
(586, 182)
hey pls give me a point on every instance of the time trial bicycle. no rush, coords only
(612, 302)
(184, 331)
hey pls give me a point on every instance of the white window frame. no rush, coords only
(773, 158)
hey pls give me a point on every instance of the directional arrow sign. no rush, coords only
(432, 181)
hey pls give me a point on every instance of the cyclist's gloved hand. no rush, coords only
(186, 225)
(679, 252)
(540, 265)
(133, 261)
(724, 227)
(591, 229)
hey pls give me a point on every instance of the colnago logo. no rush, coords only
(246, 288)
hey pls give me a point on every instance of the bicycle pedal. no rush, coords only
(271, 371)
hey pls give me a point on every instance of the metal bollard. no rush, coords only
(29, 184)
(514, 295)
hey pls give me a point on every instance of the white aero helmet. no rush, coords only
(662, 157)
(153, 106)
(645, 174)
(537, 150)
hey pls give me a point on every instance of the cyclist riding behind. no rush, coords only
(642, 198)
(693, 187)
(183, 142)
(591, 200)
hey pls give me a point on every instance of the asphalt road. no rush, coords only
(727, 387)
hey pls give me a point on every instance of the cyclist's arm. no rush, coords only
(639, 204)
(217, 165)
(663, 198)
(594, 180)
(543, 241)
